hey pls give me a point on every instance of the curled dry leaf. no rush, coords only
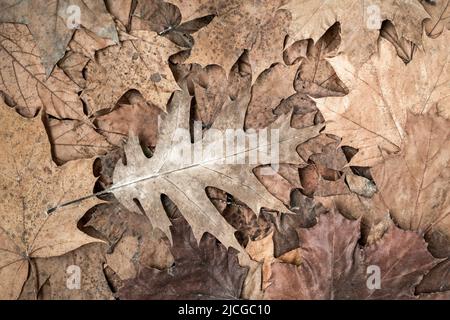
(31, 185)
(334, 266)
(202, 270)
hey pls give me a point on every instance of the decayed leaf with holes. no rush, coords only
(23, 83)
(256, 26)
(171, 170)
(422, 172)
(140, 63)
(385, 89)
(31, 184)
(333, 265)
(52, 23)
(202, 270)
(360, 21)
(439, 18)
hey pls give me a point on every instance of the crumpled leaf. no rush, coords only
(421, 171)
(204, 270)
(334, 266)
(32, 184)
(52, 23)
(388, 89)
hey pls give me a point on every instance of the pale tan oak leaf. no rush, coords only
(168, 171)
(372, 116)
(32, 185)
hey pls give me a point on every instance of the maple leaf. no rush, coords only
(50, 23)
(333, 265)
(140, 63)
(360, 22)
(23, 83)
(256, 26)
(419, 198)
(385, 89)
(145, 179)
(204, 270)
(31, 185)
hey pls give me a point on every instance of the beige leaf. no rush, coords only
(415, 184)
(372, 117)
(73, 139)
(256, 26)
(32, 184)
(140, 64)
(166, 172)
(52, 23)
(360, 21)
(23, 82)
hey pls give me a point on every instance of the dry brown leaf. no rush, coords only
(271, 87)
(140, 64)
(388, 89)
(202, 270)
(52, 23)
(24, 84)
(73, 139)
(334, 266)
(132, 115)
(316, 76)
(256, 26)
(56, 277)
(360, 21)
(31, 185)
(418, 200)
